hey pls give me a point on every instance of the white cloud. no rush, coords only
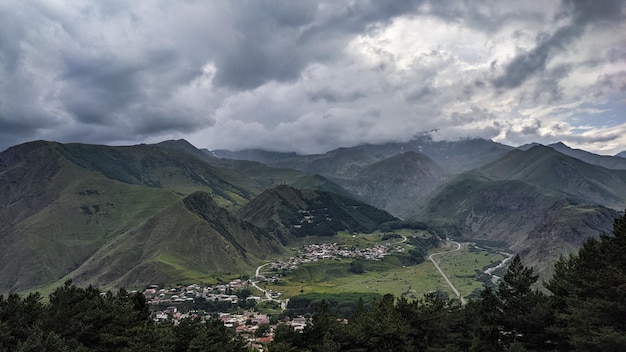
(311, 76)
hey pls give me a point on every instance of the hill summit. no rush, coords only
(289, 212)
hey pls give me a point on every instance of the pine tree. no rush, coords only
(487, 322)
(323, 331)
(515, 315)
(590, 294)
(524, 309)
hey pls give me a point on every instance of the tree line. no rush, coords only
(86, 319)
(584, 310)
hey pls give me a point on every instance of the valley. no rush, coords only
(170, 213)
(330, 272)
(389, 273)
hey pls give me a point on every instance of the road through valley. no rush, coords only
(432, 259)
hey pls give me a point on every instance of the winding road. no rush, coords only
(254, 283)
(431, 257)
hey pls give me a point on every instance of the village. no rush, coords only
(236, 298)
(326, 251)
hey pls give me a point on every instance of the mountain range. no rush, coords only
(170, 212)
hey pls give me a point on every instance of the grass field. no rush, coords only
(389, 275)
(461, 267)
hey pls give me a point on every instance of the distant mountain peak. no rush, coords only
(180, 144)
(609, 162)
(528, 146)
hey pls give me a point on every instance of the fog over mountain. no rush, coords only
(313, 76)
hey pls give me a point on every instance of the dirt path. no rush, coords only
(431, 257)
(254, 283)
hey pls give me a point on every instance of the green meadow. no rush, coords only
(389, 275)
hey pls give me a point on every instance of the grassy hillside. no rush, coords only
(162, 167)
(609, 162)
(265, 177)
(186, 242)
(547, 168)
(84, 208)
(541, 203)
(84, 211)
(289, 212)
(395, 184)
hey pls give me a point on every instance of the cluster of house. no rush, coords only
(224, 292)
(245, 325)
(248, 323)
(308, 218)
(325, 251)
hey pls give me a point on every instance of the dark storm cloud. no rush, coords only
(101, 89)
(305, 75)
(581, 14)
(280, 38)
(330, 95)
(532, 129)
(549, 88)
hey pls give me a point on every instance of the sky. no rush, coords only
(312, 76)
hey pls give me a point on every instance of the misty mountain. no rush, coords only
(454, 156)
(390, 176)
(340, 163)
(396, 184)
(539, 202)
(266, 177)
(609, 162)
(258, 155)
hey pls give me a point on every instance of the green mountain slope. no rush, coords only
(547, 168)
(342, 163)
(397, 183)
(537, 202)
(266, 177)
(609, 162)
(454, 156)
(289, 213)
(162, 167)
(52, 222)
(187, 241)
(255, 175)
(61, 204)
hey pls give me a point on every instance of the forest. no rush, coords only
(584, 309)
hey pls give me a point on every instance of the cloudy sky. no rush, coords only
(311, 76)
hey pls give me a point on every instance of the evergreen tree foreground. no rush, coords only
(584, 311)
